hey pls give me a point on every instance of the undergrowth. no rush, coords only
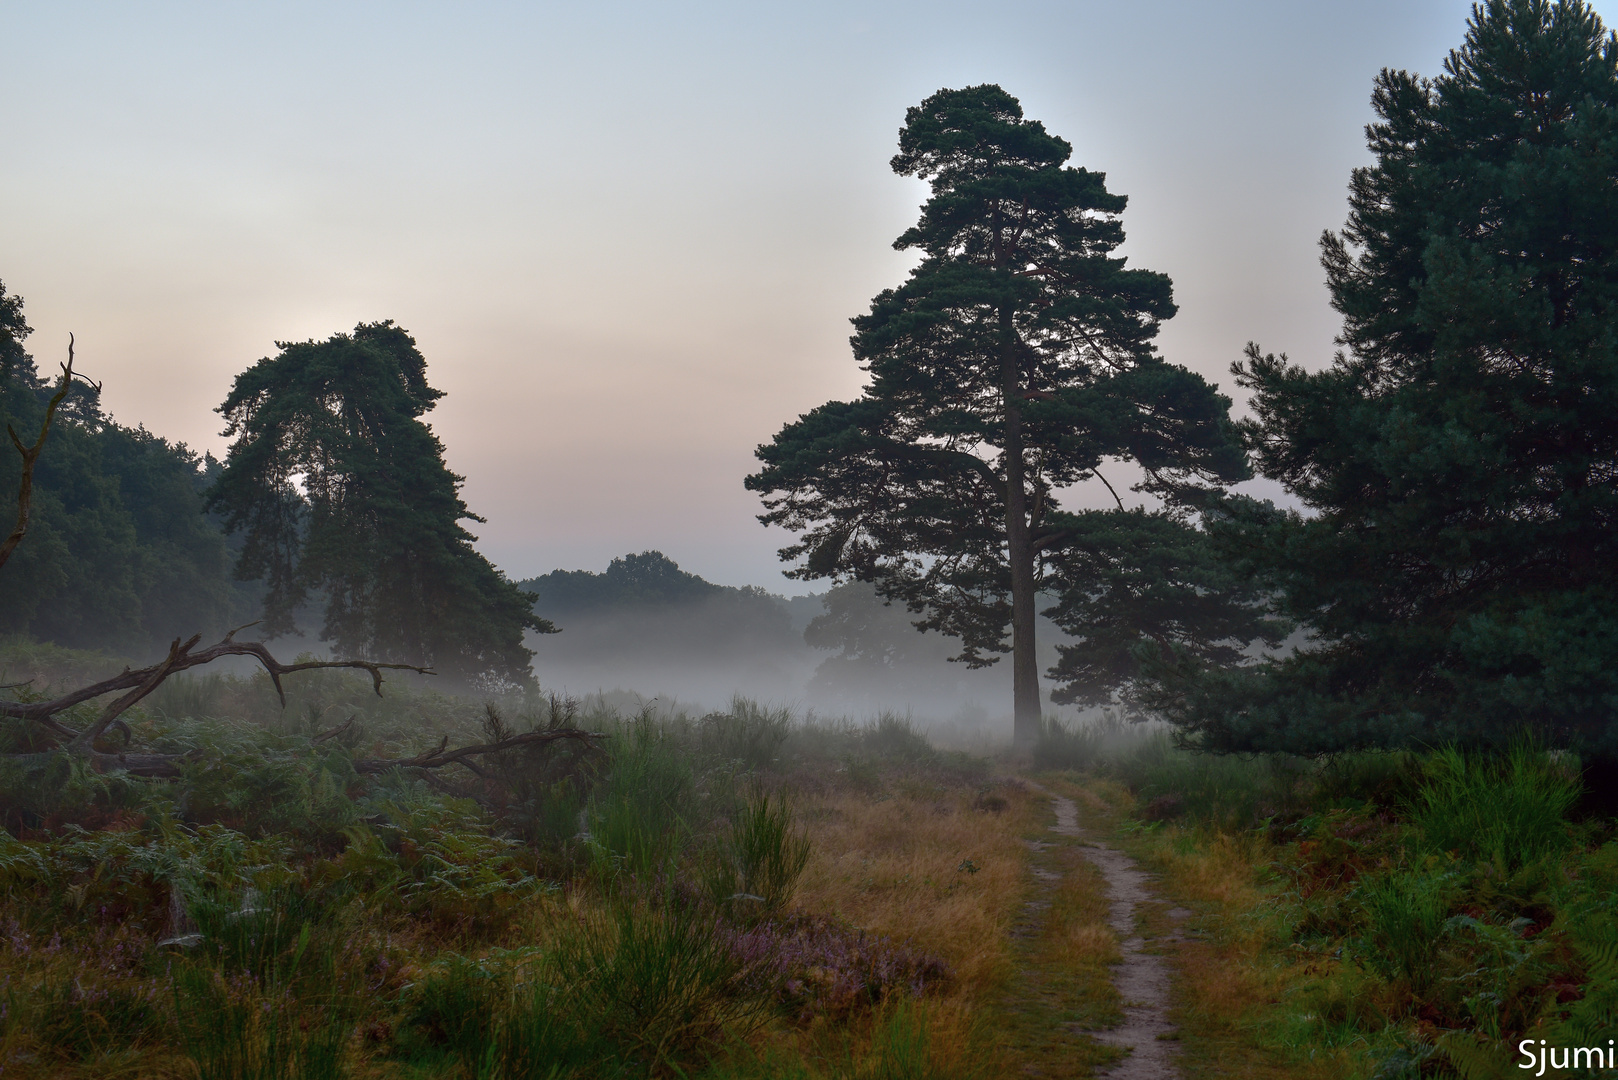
(631, 908)
(1373, 915)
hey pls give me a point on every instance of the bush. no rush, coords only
(1062, 747)
(758, 864)
(1509, 810)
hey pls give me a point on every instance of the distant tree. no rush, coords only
(647, 579)
(1458, 563)
(644, 609)
(1014, 361)
(874, 647)
(1137, 587)
(339, 488)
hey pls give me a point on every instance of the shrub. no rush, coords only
(758, 864)
(1062, 747)
(1508, 810)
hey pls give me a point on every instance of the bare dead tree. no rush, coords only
(30, 455)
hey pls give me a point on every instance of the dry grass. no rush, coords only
(937, 873)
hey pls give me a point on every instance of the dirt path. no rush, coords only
(1141, 978)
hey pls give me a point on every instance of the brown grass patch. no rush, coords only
(935, 873)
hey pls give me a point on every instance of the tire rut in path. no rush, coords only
(1141, 978)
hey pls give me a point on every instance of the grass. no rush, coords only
(1379, 915)
(737, 893)
(747, 893)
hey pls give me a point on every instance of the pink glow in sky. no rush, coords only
(628, 237)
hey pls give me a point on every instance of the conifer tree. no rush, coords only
(340, 488)
(1016, 358)
(1458, 564)
(1134, 585)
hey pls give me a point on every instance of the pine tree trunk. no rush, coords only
(1020, 555)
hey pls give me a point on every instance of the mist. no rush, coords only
(645, 632)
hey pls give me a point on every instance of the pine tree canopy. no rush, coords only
(340, 489)
(1458, 560)
(1014, 361)
(1134, 585)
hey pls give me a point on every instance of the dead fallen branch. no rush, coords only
(440, 756)
(181, 657)
(185, 655)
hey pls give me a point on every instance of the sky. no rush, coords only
(628, 237)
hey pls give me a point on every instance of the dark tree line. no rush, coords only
(119, 553)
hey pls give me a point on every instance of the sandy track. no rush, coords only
(1141, 978)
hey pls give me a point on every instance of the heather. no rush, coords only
(630, 904)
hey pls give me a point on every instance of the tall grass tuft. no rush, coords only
(1509, 810)
(235, 1029)
(759, 862)
(1404, 924)
(637, 818)
(1060, 746)
(747, 734)
(659, 980)
(895, 738)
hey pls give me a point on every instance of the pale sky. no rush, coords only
(629, 237)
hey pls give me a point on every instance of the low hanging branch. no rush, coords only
(30, 455)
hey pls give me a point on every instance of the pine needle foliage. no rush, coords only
(340, 489)
(1458, 560)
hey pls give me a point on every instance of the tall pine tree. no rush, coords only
(1459, 561)
(340, 489)
(1016, 358)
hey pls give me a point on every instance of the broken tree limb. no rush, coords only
(184, 655)
(441, 756)
(335, 732)
(181, 658)
(86, 738)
